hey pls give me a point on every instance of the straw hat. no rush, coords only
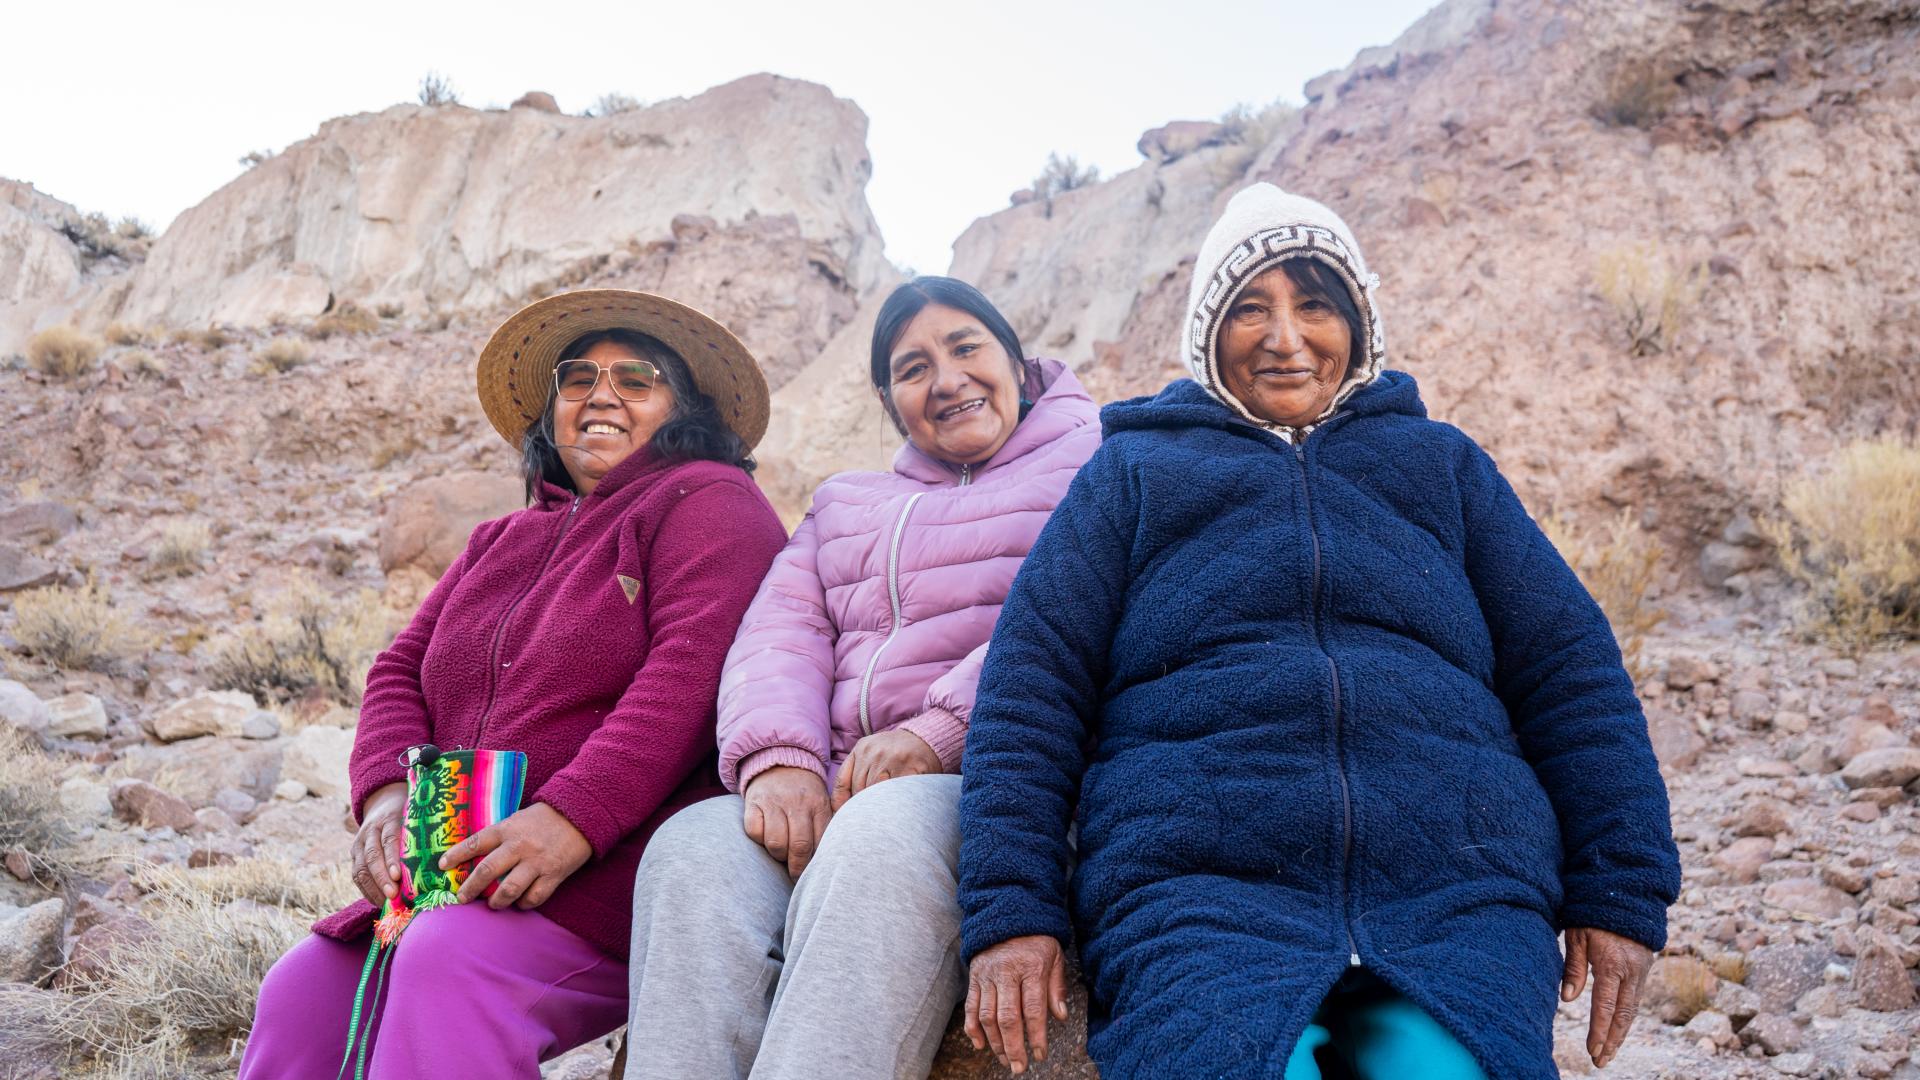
(515, 372)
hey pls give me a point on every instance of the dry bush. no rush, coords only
(189, 985)
(1258, 127)
(32, 820)
(143, 364)
(75, 628)
(1638, 92)
(182, 549)
(436, 90)
(284, 354)
(611, 104)
(1617, 567)
(255, 157)
(119, 333)
(1062, 175)
(345, 318)
(308, 641)
(1647, 293)
(63, 352)
(390, 310)
(206, 339)
(1852, 537)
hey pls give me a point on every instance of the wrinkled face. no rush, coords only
(1283, 353)
(953, 386)
(598, 432)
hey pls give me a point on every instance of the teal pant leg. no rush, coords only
(1300, 1064)
(1392, 1038)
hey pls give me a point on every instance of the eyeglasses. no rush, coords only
(632, 380)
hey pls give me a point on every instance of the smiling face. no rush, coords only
(598, 432)
(953, 386)
(1283, 353)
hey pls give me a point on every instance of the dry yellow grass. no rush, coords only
(142, 364)
(63, 352)
(308, 641)
(1648, 293)
(33, 821)
(1851, 536)
(75, 628)
(347, 318)
(182, 547)
(120, 333)
(1617, 566)
(284, 354)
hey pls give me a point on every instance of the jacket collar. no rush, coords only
(1063, 405)
(640, 463)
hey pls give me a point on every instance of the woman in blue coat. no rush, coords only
(1346, 742)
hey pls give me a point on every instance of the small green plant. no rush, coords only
(309, 641)
(436, 90)
(76, 629)
(1647, 293)
(182, 548)
(1617, 567)
(284, 354)
(611, 104)
(1851, 537)
(62, 352)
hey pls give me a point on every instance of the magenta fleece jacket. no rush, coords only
(589, 633)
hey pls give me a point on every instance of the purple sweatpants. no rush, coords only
(471, 992)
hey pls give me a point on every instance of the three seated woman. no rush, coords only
(1275, 703)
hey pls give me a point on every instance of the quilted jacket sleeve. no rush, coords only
(777, 685)
(1039, 699)
(1575, 713)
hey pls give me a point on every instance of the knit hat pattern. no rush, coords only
(1261, 228)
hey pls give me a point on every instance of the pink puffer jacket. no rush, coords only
(878, 611)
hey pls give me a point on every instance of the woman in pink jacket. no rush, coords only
(843, 710)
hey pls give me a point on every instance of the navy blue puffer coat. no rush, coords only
(1309, 706)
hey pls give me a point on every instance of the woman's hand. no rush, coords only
(787, 813)
(1010, 989)
(530, 853)
(376, 846)
(1619, 972)
(883, 755)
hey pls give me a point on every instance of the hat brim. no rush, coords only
(515, 373)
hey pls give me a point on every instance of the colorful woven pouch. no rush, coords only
(450, 796)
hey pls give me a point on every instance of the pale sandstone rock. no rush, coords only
(30, 941)
(427, 524)
(40, 522)
(1886, 767)
(198, 769)
(232, 713)
(22, 709)
(1807, 896)
(24, 570)
(77, 716)
(141, 803)
(1172, 141)
(85, 798)
(536, 99)
(317, 759)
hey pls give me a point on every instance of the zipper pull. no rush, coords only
(966, 475)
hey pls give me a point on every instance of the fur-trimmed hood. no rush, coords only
(1262, 227)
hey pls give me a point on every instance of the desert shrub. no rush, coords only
(1851, 536)
(345, 318)
(610, 104)
(120, 333)
(1062, 175)
(141, 363)
(1258, 126)
(190, 983)
(75, 628)
(32, 820)
(1637, 93)
(436, 89)
(255, 157)
(206, 339)
(390, 310)
(308, 641)
(1647, 293)
(284, 354)
(1617, 566)
(63, 352)
(182, 548)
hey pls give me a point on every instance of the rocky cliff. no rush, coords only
(1510, 165)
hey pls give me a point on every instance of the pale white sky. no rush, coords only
(143, 109)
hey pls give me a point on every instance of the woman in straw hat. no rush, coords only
(807, 926)
(587, 631)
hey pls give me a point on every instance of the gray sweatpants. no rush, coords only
(852, 972)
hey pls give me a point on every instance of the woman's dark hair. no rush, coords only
(694, 431)
(1316, 279)
(909, 299)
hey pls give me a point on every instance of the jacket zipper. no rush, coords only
(1339, 767)
(893, 598)
(500, 632)
(966, 475)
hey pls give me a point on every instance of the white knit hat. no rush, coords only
(1261, 228)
